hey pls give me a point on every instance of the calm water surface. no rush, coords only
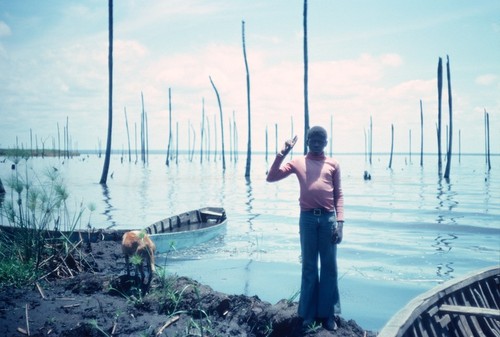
(406, 230)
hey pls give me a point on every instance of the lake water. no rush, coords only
(406, 230)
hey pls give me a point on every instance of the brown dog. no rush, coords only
(139, 243)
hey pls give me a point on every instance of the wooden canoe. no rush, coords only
(176, 232)
(467, 307)
(187, 229)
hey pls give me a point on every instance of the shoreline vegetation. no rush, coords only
(26, 153)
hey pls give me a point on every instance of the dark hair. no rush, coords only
(317, 131)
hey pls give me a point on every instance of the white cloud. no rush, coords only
(486, 79)
(4, 29)
(393, 60)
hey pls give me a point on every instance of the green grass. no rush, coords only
(33, 207)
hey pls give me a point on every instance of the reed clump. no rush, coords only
(17, 152)
(35, 228)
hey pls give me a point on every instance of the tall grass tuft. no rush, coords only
(34, 238)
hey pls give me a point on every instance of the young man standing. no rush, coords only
(321, 225)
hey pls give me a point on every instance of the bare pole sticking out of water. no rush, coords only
(267, 144)
(450, 131)
(107, 158)
(440, 96)
(221, 123)
(371, 139)
(392, 145)
(249, 122)
(167, 160)
(306, 77)
(176, 143)
(202, 133)
(128, 134)
(421, 135)
(488, 159)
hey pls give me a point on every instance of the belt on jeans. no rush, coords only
(318, 211)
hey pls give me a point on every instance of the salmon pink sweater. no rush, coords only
(319, 180)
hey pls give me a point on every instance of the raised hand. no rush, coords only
(289, 144)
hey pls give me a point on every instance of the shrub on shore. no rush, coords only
(35, 218)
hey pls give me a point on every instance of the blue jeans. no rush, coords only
(319, 294)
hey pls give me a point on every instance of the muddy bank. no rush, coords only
(105, 302)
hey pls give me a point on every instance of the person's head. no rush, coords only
(317, 139)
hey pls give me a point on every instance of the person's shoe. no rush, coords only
(329, 324)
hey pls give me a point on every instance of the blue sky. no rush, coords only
(366, 58)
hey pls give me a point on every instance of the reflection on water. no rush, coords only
(249, 204)
(445, 196)
(108, 208)
(445, 271)
(443, 242)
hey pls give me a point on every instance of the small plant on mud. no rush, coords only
(136, 260)
(268, 329)
(95, 325)
(133, 295)
(293, 297)
(313, 327)
(175, 297)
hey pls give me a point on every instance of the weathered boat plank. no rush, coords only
(466, 307)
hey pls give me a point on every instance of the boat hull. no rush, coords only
(469, 306)
(187, 229)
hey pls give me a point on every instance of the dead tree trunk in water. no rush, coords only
(221, 124)
(167, 160)
(67, 137)
(58, 141)
(306, 78)
(128, 135)
(176, 143)
(249, 142)
(487, 139)
(267, 145)
(409, 145)
(215, 138)
(371, 139)
(392, 145)
(450, 131)
(440, 97)
(421, 135)
(202, 131)
(235, 139)
(105, 169)
(143, 131)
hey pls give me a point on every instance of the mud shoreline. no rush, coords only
(105, 302)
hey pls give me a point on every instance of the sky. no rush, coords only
(367, 60)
